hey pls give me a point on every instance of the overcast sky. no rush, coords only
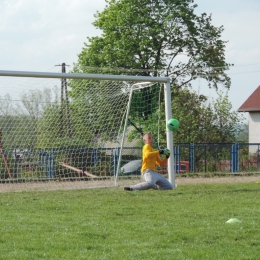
(36, 35)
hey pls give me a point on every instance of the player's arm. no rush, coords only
(161, 162)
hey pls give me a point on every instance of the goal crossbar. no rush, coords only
(82, 76)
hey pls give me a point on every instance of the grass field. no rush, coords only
(188, 222)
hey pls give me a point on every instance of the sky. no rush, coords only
(36, 35)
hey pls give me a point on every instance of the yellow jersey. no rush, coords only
(151, 158)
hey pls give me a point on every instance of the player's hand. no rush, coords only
(165, 152)
(161, 151)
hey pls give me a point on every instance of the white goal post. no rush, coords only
(40, 132)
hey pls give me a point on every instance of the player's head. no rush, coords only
(148, 138)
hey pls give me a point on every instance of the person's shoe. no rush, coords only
(128, 188)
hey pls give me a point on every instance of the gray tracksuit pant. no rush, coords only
(153, 180)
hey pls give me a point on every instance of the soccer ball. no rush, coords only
(173, 124)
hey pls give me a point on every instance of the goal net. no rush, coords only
(75, 131)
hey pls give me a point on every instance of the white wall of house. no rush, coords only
(254, 130)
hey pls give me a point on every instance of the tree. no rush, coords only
(146, 37)
(19, 118)
(204, 122)
(35, 102)
(33, 106)
(200, 121)
(15, 125)
(243, 135)
(6, 106)
(228, 123)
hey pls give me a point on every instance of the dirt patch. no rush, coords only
(68, 185)
(230, 179)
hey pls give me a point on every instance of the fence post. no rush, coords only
(191, 156)
(94, 157)
(205, 157)
(234, 157)
(47, 165)
(83, 163)
(258, 157)
(15, 169)
(238, 156)
(52, 164)
(177, 158)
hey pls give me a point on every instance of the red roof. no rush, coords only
(252, 104)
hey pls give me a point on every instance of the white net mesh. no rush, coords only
(67, 134)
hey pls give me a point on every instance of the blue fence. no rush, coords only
(218, 157)
(52, 163)
(188, 157)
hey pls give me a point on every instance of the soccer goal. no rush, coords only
(76, 131)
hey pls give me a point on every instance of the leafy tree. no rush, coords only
(204, 122)
(228, 123)
(243, 135)
(16, 127)
(146, 37)
(95, 105)
(19, 118)
(200, 121)
(35, 101)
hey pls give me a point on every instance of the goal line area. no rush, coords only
(76, 131)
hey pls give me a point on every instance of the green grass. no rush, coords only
(186, 223)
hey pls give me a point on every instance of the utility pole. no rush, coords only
(64, 101)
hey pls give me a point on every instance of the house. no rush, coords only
(252, 106)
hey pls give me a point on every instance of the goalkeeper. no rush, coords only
(151, 158)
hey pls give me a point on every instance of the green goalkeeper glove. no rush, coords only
(167, 153)
(161, 151)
